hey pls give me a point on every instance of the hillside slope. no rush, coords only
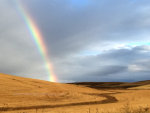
(19, 91)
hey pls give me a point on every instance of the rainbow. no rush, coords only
(38, 39)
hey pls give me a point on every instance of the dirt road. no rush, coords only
(108, 96)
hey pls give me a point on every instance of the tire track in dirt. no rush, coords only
(109, 99)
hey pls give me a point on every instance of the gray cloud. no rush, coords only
(69, 28)
(97, 23)
(19, 55)
(108, 70)
(112, 65)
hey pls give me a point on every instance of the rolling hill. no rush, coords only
(27, 95)
(24, 93)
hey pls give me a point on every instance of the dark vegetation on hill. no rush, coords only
(112, 85)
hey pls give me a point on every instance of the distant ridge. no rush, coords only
(113, 85)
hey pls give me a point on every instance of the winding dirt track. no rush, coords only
(109, 99)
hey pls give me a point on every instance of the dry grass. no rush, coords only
(37, 96)
(125, 109)
(141, 87)
(18, 91)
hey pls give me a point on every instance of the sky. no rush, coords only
(86, 40)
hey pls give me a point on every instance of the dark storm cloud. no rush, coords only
(112, 65)
(68, 29)
(71, 27)
(108, 70)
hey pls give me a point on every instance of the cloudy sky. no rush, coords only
(87, 40)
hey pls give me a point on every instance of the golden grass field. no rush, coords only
(24, 95)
